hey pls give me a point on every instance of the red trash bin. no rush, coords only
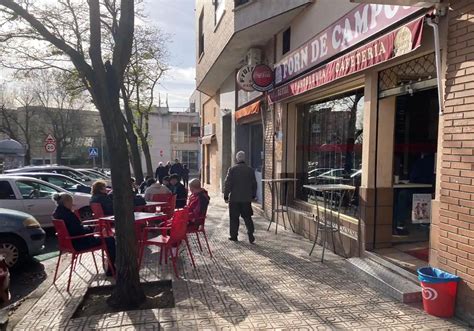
(439, 290)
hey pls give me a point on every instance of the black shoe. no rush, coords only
(233, 239)
(251, 238)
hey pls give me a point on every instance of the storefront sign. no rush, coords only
(262, 77)
(391, 45)
(356, 26)
(244, 78)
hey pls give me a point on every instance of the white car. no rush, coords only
(34, 196)
(63, 170)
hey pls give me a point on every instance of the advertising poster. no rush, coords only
(421, 210)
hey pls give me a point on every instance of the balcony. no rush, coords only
(245, 24)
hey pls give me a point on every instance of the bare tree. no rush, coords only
(20, 123)
(75, 31)
(147, 66)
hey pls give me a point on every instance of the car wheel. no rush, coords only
(85, 214)
(14, 251)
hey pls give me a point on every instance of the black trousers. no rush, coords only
(237, 210)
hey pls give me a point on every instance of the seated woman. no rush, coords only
(74, 226)
(177, 188)
(198, 201)
(155, 187)
(99, 195)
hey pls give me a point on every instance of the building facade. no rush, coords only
(174, 135)
(367, 94)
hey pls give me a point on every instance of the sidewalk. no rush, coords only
(271, 285)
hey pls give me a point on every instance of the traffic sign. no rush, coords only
(93, 152)
(50, 147)
(50, 139)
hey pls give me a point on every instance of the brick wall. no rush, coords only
(453, 232)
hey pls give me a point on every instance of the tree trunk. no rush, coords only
(27, 155)
(127, 292)
(146, 153)
(135, 157)
(59, 152)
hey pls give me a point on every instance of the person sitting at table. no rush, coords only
(166, 181)
(134, 185)
(64, 203)
(198, 200)
(99, 195)
(155, 187)
(177, 188)
(143, 185)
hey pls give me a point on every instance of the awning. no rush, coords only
(253, 108)
(206, 140)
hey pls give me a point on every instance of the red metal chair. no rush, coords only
(197, 226)
(66, 246)
(97, 209)
(170, 200)
(171, 242)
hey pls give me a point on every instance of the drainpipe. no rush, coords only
(434, 23)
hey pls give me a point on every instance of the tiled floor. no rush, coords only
(271, 285)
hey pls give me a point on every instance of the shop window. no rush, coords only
(190, 158)
(286, 41)
(329, 149)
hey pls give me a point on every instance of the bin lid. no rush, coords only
(435, 275)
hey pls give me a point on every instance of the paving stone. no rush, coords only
(273, 285)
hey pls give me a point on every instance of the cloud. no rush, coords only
(179, 83)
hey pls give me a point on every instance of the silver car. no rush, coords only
(20, 236)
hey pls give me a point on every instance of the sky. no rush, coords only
(176, 18)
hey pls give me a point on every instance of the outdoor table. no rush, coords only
(141, 219)
(328, 217)
(278, 208)
(150, 206)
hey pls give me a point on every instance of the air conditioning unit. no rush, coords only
(254, 56)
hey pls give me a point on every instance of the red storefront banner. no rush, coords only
(391, 45)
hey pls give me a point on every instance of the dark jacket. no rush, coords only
(106, 201)
(177, 168)
(75, 228)
(240, 184)
(181, 194)
(161, 172)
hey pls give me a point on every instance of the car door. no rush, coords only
(8, 198)
(37, 200)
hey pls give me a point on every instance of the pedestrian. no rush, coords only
(143, 185)
(161, 172)
(185, 175)
(168, 167)
(64, 202)
(177, 188)
(177, 169)
(155, 188)
(240, 189)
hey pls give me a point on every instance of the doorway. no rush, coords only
(415, 143)
(256, 156)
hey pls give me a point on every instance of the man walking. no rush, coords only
(240, 189)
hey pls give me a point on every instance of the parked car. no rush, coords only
(20, 236)
(65, 182)
(34, 197)
(63, 170)
(94, 171)
(95, 176)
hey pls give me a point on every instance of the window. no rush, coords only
(201, 34)
(188, 157)
(286, 44)
(6, 191)
(181, 133)
(35, 190)
(329, 149)
(219, 10)
(61, 182)
(238, 3)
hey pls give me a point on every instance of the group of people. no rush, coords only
(164, 172)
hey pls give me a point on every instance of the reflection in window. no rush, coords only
(35, 190)
(330, 145)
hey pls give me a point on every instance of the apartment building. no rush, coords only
(373, 94)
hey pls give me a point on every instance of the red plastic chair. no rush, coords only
(168, 243)
(97, 209)
(66, 246)
(197, 226)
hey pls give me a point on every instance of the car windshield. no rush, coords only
(62, 182)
